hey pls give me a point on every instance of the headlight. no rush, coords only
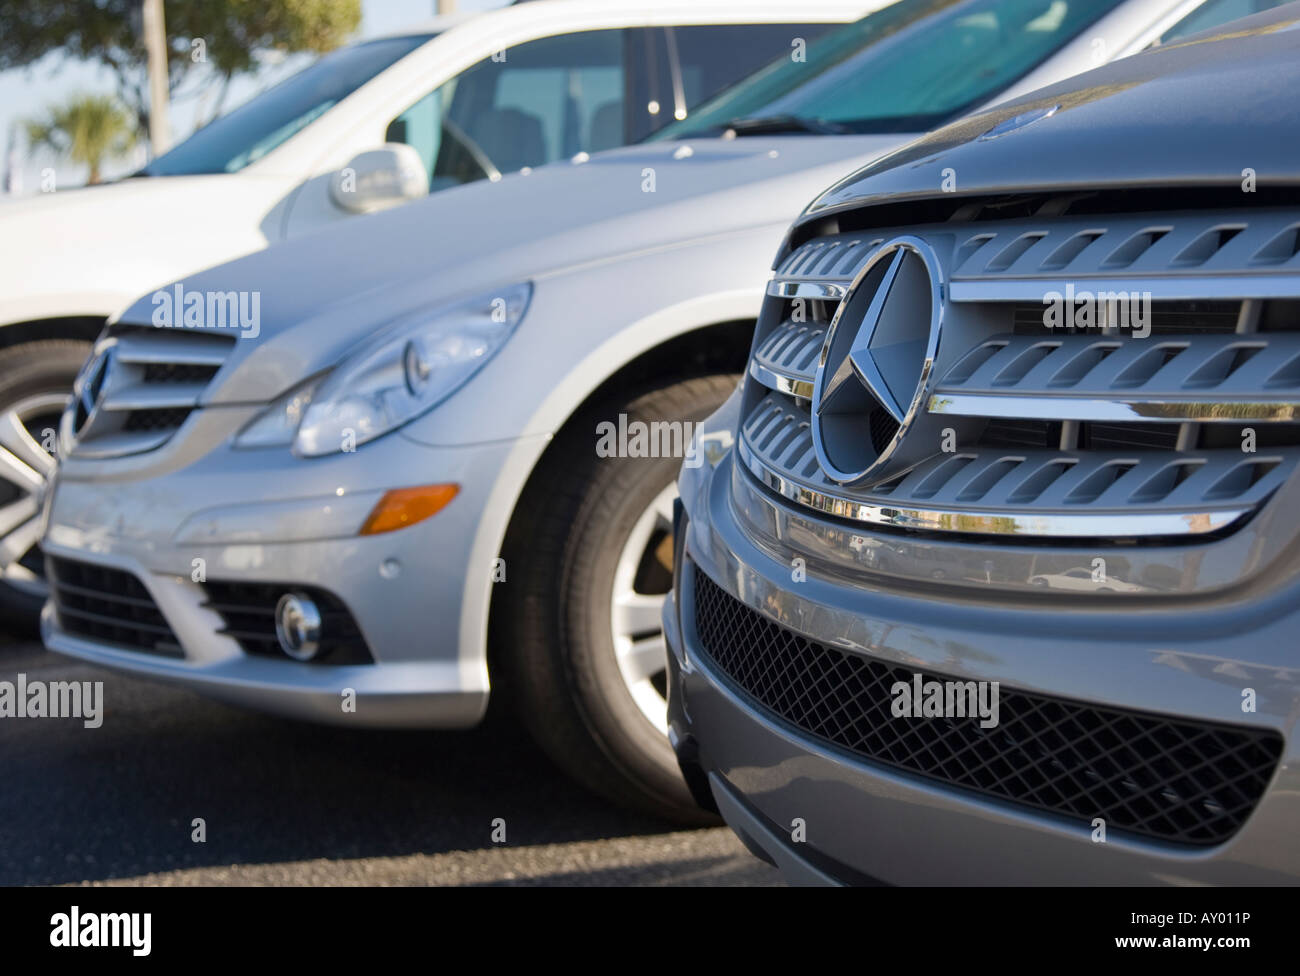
(277, 425)
(404, 372)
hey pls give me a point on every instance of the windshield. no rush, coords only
(264, 122)
(905, 68)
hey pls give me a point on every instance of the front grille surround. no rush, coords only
(147, 383)
(1179, 781)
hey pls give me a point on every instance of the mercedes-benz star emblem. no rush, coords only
(87, 391)
(876, 362)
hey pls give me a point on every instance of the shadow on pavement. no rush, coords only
(118, 801)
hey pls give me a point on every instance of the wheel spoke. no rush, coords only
(18, 573)
(26, 465)
(636, 619)
(18, 441)
(645, 658)
(15, 514)
(19, 473)
(663, 508)
(638, 614)
(19, 542)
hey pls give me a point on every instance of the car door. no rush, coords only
(555, 97)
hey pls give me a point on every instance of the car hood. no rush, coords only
(318, 295)
(134, 191)
(1195, 113)
(101, 210)
(114, 240)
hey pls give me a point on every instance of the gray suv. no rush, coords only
(999, 579)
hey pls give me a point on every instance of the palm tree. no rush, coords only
(89, 129)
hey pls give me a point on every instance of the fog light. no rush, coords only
(297, 626)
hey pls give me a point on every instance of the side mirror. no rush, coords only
(380, 178)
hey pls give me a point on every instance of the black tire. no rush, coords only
(30, 370)
(556, 660)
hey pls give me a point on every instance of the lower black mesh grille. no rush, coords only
(1180, 781)
(150, 420)
(248, 612)
(179, 372)
(109, 606)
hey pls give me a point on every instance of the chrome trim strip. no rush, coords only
(1162, 288)
(155, 396)
(1050, 524)
(1046, 406)
(781, 382)
(173, 348)
(807, 289)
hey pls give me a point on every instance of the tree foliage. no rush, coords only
(87, 129)
(233, 34)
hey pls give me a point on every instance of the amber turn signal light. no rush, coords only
(406, 506)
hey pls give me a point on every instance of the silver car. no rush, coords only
(999, 580)
(431, 455)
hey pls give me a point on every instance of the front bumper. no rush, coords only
(863, 821)
(263, 516)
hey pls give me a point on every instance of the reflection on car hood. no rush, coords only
(344, 282)
(1198, 112)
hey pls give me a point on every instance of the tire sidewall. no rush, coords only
(621, 490)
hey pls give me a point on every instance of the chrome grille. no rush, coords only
(138, 388)
(787, 359)
(1058, 432)
(1193, 255)
(1080, 377)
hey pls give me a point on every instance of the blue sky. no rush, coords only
(26, 93)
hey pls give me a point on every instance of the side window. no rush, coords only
(525, 106)
(693, 63)
(1214, 13)
(715, 56)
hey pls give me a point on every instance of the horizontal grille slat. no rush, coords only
(1038, 490)
(1078, 377)
(160, 396)
(171, 347)
(1174, 779)
(1190, 245)
(161, 630)
(67, 589)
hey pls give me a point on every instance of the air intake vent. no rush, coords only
(108, 606)
(1175, 780)
(248, 613)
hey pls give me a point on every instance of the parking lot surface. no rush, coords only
(292, 804)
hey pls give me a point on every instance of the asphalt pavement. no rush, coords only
(284, 803)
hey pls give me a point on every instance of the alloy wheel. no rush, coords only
(642, 579)
(26, 427)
